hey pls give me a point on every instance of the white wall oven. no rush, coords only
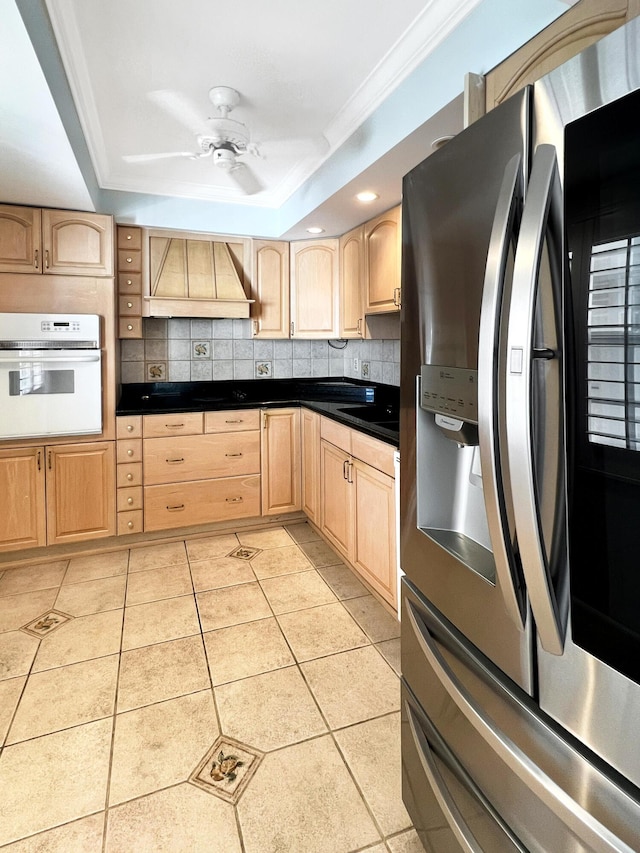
(50, 375)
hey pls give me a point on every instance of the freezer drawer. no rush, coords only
(550, 792)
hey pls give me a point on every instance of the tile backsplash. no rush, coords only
(184, 350)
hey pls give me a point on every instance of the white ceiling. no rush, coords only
(343, 71)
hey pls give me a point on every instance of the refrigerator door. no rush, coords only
(501, 766)
(460, 207)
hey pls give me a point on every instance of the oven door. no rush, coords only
(58, 392)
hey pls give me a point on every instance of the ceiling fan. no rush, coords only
(223, 139)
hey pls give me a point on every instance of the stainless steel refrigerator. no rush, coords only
(520, 470)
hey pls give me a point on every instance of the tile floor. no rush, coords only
(236, 692)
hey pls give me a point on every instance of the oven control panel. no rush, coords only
(61, 326)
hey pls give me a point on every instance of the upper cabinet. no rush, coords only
(55, 242)
(314, 289)
(382, 260)
(352, 283)
(270, 289)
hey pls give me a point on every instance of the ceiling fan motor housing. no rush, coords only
(224, 157)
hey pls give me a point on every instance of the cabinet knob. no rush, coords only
(129, 452)
(129, 427)
(129, 281)
(129, 500)
(130, 524)
(129, 327)
(129, 260)
(128, 236)
(129, 304)
(129, 476)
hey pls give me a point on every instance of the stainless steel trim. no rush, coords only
(544, 603)
(489, 416)
(49, 359)
(587, 828)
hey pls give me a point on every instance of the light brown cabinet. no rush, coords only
(314, 289)
(55, 242)
(129, 280)
(336, 505)
(310, 440)
(281, 480)
(129, 500)
(23, 521)
(270, 289)
(351, 248)
(382, 262)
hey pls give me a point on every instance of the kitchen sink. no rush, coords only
(379, 415)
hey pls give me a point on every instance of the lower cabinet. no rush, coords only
(281, 480)
(310, 439)
(57, 493)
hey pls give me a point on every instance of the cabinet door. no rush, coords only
(352, 284)
(77, 243)
(270, 289)
(281, 484)
(336, 511)
(22, 520)
(311, 464)
(314, 289)
(374, 539)
(20, 249)
(80, 491)
(382, 256)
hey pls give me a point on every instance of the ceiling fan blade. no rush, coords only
(242, 175)
(180, 108)
(147, 158)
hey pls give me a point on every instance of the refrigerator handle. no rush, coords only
(543, 185)
(489, 416)
(587, 828)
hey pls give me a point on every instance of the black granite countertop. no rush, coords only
(370, 407)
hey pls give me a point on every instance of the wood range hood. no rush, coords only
(197, 276)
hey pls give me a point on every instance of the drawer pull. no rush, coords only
(130, 452)
(129, 500)
(130, 525)
(233, 454)
(236, 421)
(129, 476)
(129, 281)
(233, 500)
(128, 236)
(175, 461)
(176, 508)
(129, 327)
(129, 427)
(174, 426)
(129, 304)
(129, 260)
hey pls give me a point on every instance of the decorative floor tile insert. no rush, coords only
(46, 624)
(227, 769)
(245, 553)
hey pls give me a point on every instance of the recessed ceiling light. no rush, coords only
(367, 195)
(315, 229)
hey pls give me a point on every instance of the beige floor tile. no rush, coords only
(377, 623)
(10, 692)
(302, 798)
(211, 546)
(217, 572)
(302, 532)
(377, 848)
(182, 818)
(406, 842)
(366, 748)
(157, 556)
(159, 621)
(18, 610)
(353, 686)
(17, 651)
(247, 649)
(97, 566)
(232, 605)
(81, 836)
(269, 711)
(162, 671)
(390, 650)
(53, 779)
(161, 745)
(154, 584)
(64, 697)
(276, 537)
(38, 576)
(84, 638)
(343, 581)
(286, 593)
(321, 631)
(82, 599)
(321, 554)
(280, 561)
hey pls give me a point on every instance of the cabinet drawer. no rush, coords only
(130, 327)
(129, 450)
(244, 419)
(129, 261)
(129, 474)
(130, 522)
(129, 426)
(201, 502)
(129, 238)
(158, 426)
(199, 457)
(336, 433)
(373, 452)
(129, 282)
(129, 498)
(129, 306)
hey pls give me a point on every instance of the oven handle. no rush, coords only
(48, 359)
